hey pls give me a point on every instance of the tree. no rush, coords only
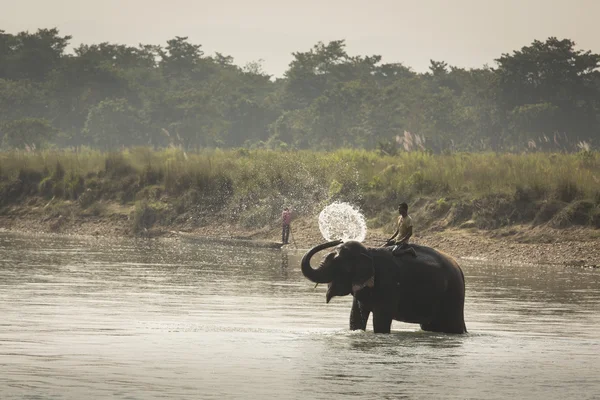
(31, 55)
(321, 68)
(114, 123)
(26, 132)
(80, 85)
(551, 75)
(21, 99)
(119, 56)
(180, 58)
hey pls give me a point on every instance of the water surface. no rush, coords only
(142, 319)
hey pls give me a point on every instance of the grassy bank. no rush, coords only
(173, 188)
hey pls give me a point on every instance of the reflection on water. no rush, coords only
(100, 318)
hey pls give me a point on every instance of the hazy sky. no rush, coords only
(466, 33)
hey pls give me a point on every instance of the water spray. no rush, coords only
(341, 220)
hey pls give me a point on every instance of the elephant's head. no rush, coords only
(347, 269)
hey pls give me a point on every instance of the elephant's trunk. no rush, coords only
(320, 275)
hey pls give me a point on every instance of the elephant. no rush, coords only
(426, 289)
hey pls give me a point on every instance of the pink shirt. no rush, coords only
(286, 216)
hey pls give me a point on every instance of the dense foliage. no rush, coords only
(545, 96)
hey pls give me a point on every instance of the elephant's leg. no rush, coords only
(455, 318)
(382, 321)
(449, 318)
(359, 315)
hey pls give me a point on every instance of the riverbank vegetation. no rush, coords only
(178, 188)
(168, 136)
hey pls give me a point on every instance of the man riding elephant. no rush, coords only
(404, 231)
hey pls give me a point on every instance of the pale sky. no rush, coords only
(464, 33)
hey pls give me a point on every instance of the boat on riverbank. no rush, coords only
(232, 240)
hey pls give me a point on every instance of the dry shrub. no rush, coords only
(547, 210)
(576, 213)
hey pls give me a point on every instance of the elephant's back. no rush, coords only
(433, 257)
(427, 257)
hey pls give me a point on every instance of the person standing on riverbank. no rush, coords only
(286, 220)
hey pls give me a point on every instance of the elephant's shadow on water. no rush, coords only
(397, 341)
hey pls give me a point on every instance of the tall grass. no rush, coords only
(254, 185)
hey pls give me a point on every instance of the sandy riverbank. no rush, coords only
(576, 247)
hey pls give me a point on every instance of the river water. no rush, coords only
(86, 318)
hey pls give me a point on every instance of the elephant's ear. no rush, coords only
(364, 274)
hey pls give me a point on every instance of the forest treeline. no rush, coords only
(544, 96)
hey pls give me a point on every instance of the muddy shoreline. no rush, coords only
(573, 247)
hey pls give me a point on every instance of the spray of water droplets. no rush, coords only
(342, 221)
